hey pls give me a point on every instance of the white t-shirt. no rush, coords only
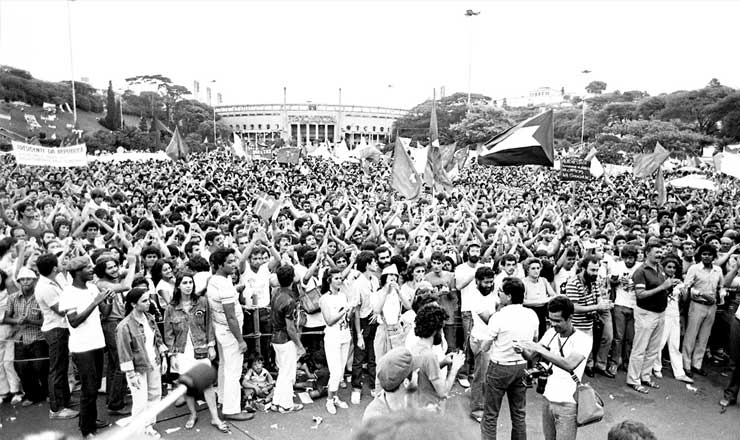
(257, 285)
(561, 386)
(221, 291)
(561, 278)
(625, 294)
(488, 304)
(469, 295)
(89, 334)
(47, 295)
(339, 332)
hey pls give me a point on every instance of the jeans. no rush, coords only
(671, 337)
(229, 371)
(34, 375)
(500, 380)
(366, 355)
(480, 369)
(58, 341)
(286, 356)
(265, 328)
(90, 367)
(115, 382)
(646, 347)
(336, 360)
(604, 344)
(733, 387)
(148, 392)
(559, 420)
(698, 329)
(624, 331)
(467, 325)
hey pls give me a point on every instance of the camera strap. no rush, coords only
(560, 344)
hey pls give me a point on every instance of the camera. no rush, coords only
(539, 372)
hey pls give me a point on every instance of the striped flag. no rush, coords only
(646, 164)
(527, 143)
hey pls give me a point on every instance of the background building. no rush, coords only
(542, 96)
(303, 123)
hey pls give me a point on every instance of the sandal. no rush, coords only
(221, 426)
(640, 389)
(192, 420)
(651, 384)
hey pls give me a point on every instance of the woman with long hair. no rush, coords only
(190, 340)
(337, 337)
(140, 350)
(163, 278)
(388, 305)
(417, 270)
(537, 291)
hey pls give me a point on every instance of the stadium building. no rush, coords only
(304, 123)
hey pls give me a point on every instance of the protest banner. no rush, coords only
(574, 169)
(72, 156)
(288, 155)
(261, 153)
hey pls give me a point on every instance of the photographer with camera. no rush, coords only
(561, 353)
(511, 324)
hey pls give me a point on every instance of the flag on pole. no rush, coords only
(404, 178)
(660, 187)
(177, 149)
(238, 146)
(646, 164)
(265, 206)
(527, 143)
(437, 158)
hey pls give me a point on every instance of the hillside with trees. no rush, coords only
(618, 124)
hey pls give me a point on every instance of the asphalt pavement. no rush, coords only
(675, 411)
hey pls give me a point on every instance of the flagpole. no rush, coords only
(583, 111)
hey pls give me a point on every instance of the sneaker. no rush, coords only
(464, 382)
(340, 403)
(63, 414)
(685, 379)
(355, 399)
(658, 374)
(18, 398)
(151, 432)
(342, 384)
(330, 407)
(26, 402)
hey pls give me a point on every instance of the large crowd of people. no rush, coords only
(320, 277)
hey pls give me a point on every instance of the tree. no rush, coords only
(112, 119)
(650, 107)
(480, 124)
(450, 110)
(640, 136)
(596, 87)
(696, 107)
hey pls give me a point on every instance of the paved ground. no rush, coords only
(673, 412)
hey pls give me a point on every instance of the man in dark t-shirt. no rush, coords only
(651, 291)
(285, 340)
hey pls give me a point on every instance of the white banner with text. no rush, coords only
(72, 156)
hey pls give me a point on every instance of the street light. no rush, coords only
(470, 13)
(213, 90)
(583, 107)
(71, 65)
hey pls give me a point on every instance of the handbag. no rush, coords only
(310, 300)
(590, 405)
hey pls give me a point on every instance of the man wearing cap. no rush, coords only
(48, 292)
(80, 302)
(703, 282)
(23, 312)
(394, 368)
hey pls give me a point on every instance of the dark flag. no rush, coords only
(527, 143)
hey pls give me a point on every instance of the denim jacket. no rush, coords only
(131, 342)
(198, 320)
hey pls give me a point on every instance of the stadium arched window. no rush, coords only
(259, 126)
(381, 129)
(251, 126)
(244, 126)
(277, 126)
(349, 127)
(268, 126)
(373, 128)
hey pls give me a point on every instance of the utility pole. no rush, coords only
(71, 65)
(470, 13)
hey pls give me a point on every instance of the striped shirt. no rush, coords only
(581, 296)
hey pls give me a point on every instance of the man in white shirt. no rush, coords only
(480, 339)
(620, 274)
(567, 350)
(469, 295)
(48, 293)
(513, 323)
(228, 319)
(80, 302)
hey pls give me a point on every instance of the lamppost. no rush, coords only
(71, 65)
(583, 107)
(470, 13)
(213, 90)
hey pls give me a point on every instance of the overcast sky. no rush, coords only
(380, 53)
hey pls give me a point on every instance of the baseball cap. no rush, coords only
(394, 367)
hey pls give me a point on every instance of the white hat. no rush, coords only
(26, 273)
(390, 269)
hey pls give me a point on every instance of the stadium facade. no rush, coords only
(304, 123)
